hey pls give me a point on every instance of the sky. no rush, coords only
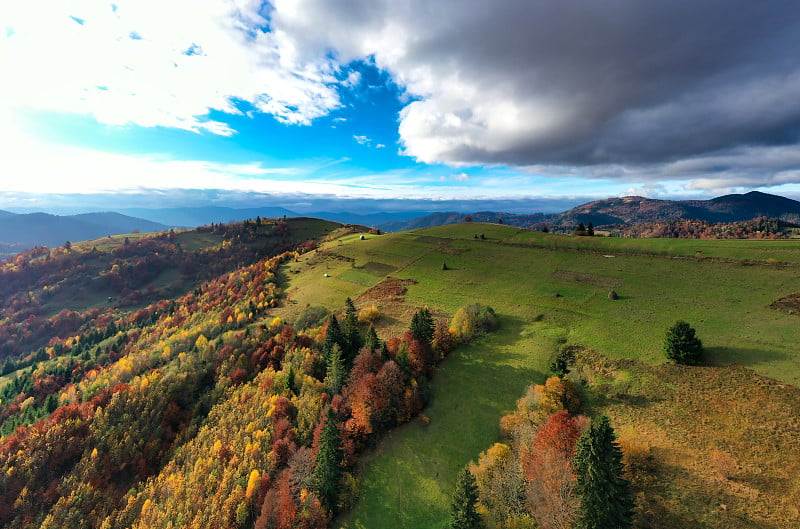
(238, 102)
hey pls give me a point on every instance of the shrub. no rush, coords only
(369, 314)
(473, 320)
(682, 346)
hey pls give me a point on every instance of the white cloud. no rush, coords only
(368, 142)
(187, 57)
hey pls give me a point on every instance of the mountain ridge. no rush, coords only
(44, 229)
(628, 211)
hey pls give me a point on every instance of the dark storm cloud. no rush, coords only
(582, 82)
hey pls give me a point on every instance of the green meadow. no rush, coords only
(549, 290)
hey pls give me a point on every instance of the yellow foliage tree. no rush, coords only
(252, 483)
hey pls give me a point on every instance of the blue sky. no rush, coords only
(449, 100)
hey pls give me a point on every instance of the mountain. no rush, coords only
(628, 211)
(43, 229)
(727, 208)
(5, 214)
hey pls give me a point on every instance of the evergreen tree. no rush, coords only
(590, 229)
(372, 342)
(465, 498)
(328, 469)
(352, 337)
(682, 346)
(336, 373)
(606, 499)
(422, 326)
(333, 336)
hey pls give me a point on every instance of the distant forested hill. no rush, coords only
(43, 229)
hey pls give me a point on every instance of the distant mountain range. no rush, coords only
(19, 231)
(192, 217)
(627, 211)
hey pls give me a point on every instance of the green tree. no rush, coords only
(465, 498)
(606, 499)
(372, 342)
(352, 337)
(333, 336)
(336, 373)
(328, 469)
(590, 229)
(682, 346)
(422, 325)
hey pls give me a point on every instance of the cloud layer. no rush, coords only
(524, 82)
(705, 92)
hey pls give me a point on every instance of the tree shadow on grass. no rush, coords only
(741, 355)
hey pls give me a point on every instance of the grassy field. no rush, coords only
(548, 290)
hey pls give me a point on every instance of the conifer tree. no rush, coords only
(465, 498)
(422, 325)
(605, 496)
(682, 345)
(372, 342)
(352, 337)
(328, 470)
(336, 372)
(333, 336)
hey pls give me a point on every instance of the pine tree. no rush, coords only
(333, 336)
(336, 373)
(328, 470)
(682, 346)
(422, 325)
(465, 498)
(372, 342)
(352, 337)
(605, 496)
(590, 229)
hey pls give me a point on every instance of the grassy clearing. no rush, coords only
(407, 479)
(725, 443)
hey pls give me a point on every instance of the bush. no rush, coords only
(472, 321)
(682, 346)
(369, 314)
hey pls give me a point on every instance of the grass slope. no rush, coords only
(721, 287)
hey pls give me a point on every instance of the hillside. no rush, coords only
(628, 211)
(222, 389)
(42, 229)
(52, 293)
